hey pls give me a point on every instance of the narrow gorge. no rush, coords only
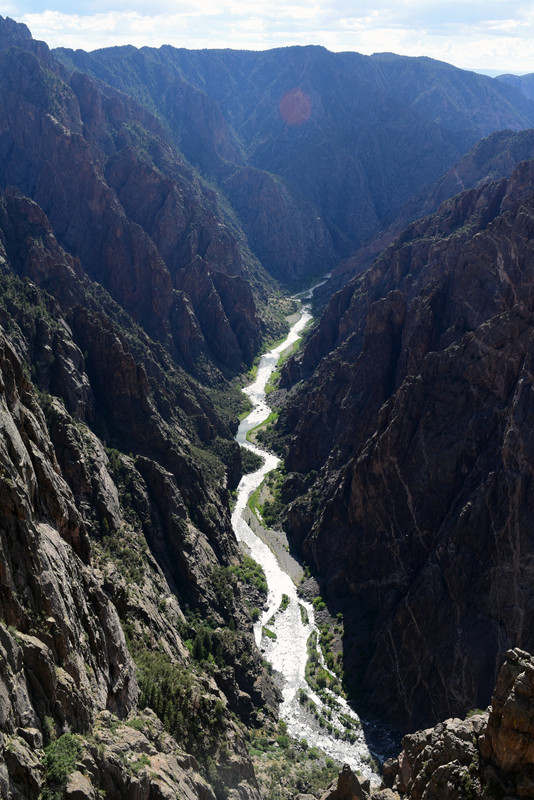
(175, 621)
(286, 631)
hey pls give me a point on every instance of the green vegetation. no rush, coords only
(334, 661)
(187, 711)
(270, 634)
(317, 677)
(318, 603)
(122, 470)
(142, 762)
(272, 383)
(127, 549)
(252, 501)
(272, 509)
(251, 461)
(284, 603)
(251, 573)
(258, 433)
(286, 766)
(474, 712)
(60, 760)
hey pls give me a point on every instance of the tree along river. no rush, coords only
(340, 735)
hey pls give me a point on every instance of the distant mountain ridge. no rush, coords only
(378, 130)
(525, 83)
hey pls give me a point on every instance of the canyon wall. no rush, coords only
(409, 456)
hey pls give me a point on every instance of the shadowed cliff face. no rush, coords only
(316, 151)
(419, 422)
(492, 158)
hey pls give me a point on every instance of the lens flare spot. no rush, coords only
(295, 107)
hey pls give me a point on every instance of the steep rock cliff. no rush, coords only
(419, 518)
(316, 151)
(119, 198)
(97, 543)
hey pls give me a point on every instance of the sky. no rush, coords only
(494, 36)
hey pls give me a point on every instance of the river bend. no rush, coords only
(287, 653)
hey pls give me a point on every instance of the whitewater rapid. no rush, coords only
(287, 653)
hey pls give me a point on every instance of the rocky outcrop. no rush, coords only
(347, 787)
(441, 762)
(489, 754)
(507, 743)
(419, 520)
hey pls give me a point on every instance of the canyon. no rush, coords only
(157, 210)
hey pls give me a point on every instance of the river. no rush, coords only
(290, 629)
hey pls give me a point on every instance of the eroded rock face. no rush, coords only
(508, 741)
(114, 511)
(64, 652)
(489, 754)
(348, 787)
(119, 198)
(419, 520)
(441, 762)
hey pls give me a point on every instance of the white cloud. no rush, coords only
(483, 34)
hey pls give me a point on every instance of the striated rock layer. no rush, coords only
(411, 456)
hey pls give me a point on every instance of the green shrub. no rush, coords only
(285, 602)
(251, 573)
(193, 717)
(60, 760)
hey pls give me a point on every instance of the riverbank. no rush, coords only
(286, 631)
(278, 543)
